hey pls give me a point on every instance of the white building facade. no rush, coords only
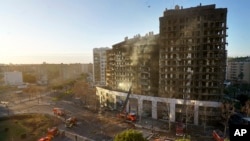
(234, 69)
(13, 78)
(99, 66)
(197, 112)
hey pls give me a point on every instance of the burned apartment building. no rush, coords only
(193, 52)
(134, 62)
(177, 74)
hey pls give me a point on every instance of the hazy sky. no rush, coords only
(66, 31)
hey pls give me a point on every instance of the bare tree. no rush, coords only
(33, 91)
(168, 115)
(188, 115)
(81, 89)
(246, 108)
(227, 110)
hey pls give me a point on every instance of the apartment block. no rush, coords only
(49, 73)
(177, 74)
(99, 65)
(13, 78)
(87, 68)
(134, 62)
(193, 52)
(237, 67)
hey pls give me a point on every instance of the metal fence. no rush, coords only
(76, 137)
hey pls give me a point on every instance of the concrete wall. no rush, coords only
(105, 94)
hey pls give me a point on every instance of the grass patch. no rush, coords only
(9, 130)
(55, 99)
(28, 127)
(61, 95)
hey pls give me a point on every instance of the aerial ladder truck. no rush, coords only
(125, 115)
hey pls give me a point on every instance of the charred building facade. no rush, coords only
(134, 62)
(177, 74)
(193, 52)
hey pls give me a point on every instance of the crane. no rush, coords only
(123, 114)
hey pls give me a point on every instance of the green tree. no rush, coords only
(130, 135)
(29, 78)
(184, 138)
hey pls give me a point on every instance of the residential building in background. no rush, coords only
(87, 68)
(238, 70)
(99, 66)
(2, 74)
(46, 74)
(13, 78)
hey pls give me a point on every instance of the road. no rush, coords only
(98, 126)
(91, 125)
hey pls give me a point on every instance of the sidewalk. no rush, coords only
(155, 128)
(159, 129)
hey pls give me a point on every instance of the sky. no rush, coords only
(66, 31)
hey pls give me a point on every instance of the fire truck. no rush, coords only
(70, 122)
(59, 111)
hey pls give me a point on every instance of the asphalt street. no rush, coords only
(90, 126)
